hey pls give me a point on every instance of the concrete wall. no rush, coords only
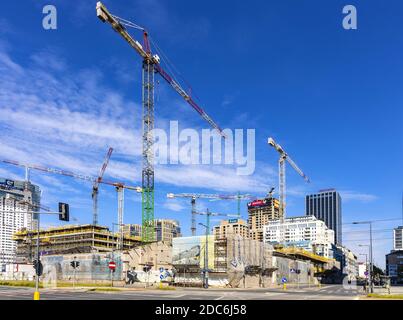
(93, 267)
(18, 272)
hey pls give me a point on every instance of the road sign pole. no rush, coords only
(74, 277)
(36, 293)
(111, 278)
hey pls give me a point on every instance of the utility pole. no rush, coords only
(371, 261)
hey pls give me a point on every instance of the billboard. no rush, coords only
(258, 203)
(190, 251)
(7, 184)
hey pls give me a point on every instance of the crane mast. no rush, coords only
(282, 178)
(151, 65)
(95, 188)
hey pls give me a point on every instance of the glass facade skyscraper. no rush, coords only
(326, 206)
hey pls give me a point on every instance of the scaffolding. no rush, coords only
(71, 239)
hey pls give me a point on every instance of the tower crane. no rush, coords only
(95, 188)
(282, 188)
(151, 65)
(194, 196)
(118, 185)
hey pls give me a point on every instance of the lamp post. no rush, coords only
(371, 275)
(205, 269)
(208, 214)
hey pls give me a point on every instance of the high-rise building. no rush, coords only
(31, 195)
(231, 227)
(17, 201)
(306, 232)
(398, 238)
(326, 206)
(14, 216)
(260, 212)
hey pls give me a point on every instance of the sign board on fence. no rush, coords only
(112, 265)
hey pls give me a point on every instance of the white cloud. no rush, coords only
(357, 196)
(174, 205)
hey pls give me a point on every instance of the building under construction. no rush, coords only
(70, 240)
(260, 212)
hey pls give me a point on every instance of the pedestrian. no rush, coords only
(366, 285)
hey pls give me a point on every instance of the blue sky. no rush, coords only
(331, 97)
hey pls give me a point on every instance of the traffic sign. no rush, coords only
(161, 270)
(284, 280)
(112, 265)
(162, 276)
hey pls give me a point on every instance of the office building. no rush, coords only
(326, 206)
(17, 201)
(260, 212)
(394, 266)
(398, 238)
(231, 227)
(306, 232)
(32, 192)
(166, 230)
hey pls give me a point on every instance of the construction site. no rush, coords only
(236, 255)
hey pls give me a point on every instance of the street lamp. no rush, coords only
(205, 269)
(371, 276)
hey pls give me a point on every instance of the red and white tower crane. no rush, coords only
(151, 65)
(95, 188)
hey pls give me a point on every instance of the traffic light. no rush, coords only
(64, 212)
(38, 267)
(146, 268)
(75, 264)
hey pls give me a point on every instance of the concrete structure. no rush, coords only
(231, 227)
(132, 230)
(306, 232)
(166, 230)
(398, 238)
(17, 199)
(260, 212)
(70, 240)
(157, 255)
(394, 266)
(326, 206)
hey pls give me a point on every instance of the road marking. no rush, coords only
(219, 298)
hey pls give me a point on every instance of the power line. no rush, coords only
(380, 220)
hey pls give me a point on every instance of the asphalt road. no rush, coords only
(327, 292)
